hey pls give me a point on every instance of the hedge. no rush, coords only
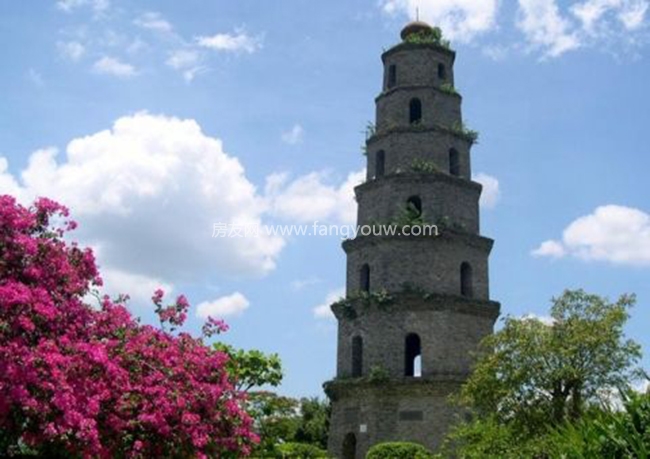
(398, 450)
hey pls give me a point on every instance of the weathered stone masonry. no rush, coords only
(415, 307)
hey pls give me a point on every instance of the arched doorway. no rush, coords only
(349, 447)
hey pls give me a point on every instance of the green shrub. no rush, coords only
(299, 451)
(398, 450)
(617, 433)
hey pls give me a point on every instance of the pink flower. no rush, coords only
(87, 378)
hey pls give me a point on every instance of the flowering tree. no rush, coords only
(93, 382)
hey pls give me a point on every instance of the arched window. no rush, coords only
(392, 76)
(442, 71)
(349, 450)
(357, 356)
(415, 111)
(414, 206)
(454, 162)
(466, 288)
(380, 163)
(412, 352)
(364, 281)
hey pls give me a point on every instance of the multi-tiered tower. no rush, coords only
(416, 307)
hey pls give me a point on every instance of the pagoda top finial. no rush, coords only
(415, 27)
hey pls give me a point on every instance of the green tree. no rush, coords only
(252, 368)
(314, 422)
(276, 420)
(532, 375)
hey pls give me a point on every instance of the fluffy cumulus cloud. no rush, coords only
(148, 193)
(460, 20)
(615, 234)
(239, 41)
(491, 192)
(550, 248)
(323, 311)
(231, 305)
(114, 67)
(313, 197)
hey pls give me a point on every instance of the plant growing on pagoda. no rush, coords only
(448, 88)
(424, 166)
(464, 132)
(430, 36)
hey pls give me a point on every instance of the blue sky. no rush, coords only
(154, 120)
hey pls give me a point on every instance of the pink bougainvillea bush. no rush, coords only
(84, 381)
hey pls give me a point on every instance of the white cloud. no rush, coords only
(633, 14)
(497, 53)
(8, 184)
(72, 50)
(187, 61)
(300, 284)
(311, 197)
(237, 42)
(585, 23)
(552, 249)
(545, 28)
(592, 14)
(231, 305)
(112, 66)
(69, 5)
(491, 192)
(139, 287)
(642, 387)
(294, 135)
(546, 320)
(323, 311)
(182, 58)
(616, 234)
(460, 20)
(153, 21)
(147, 193)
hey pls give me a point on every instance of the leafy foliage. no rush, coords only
(398, 450)
(611, 433)
(281, 420)
(299, 451)
(252, 368)
(448, 88)
(409, 215)
(366, 299)
(432, 36)
(422, 165)
(275, 420)
(464, 132)
(313, 425)
(534, 375)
